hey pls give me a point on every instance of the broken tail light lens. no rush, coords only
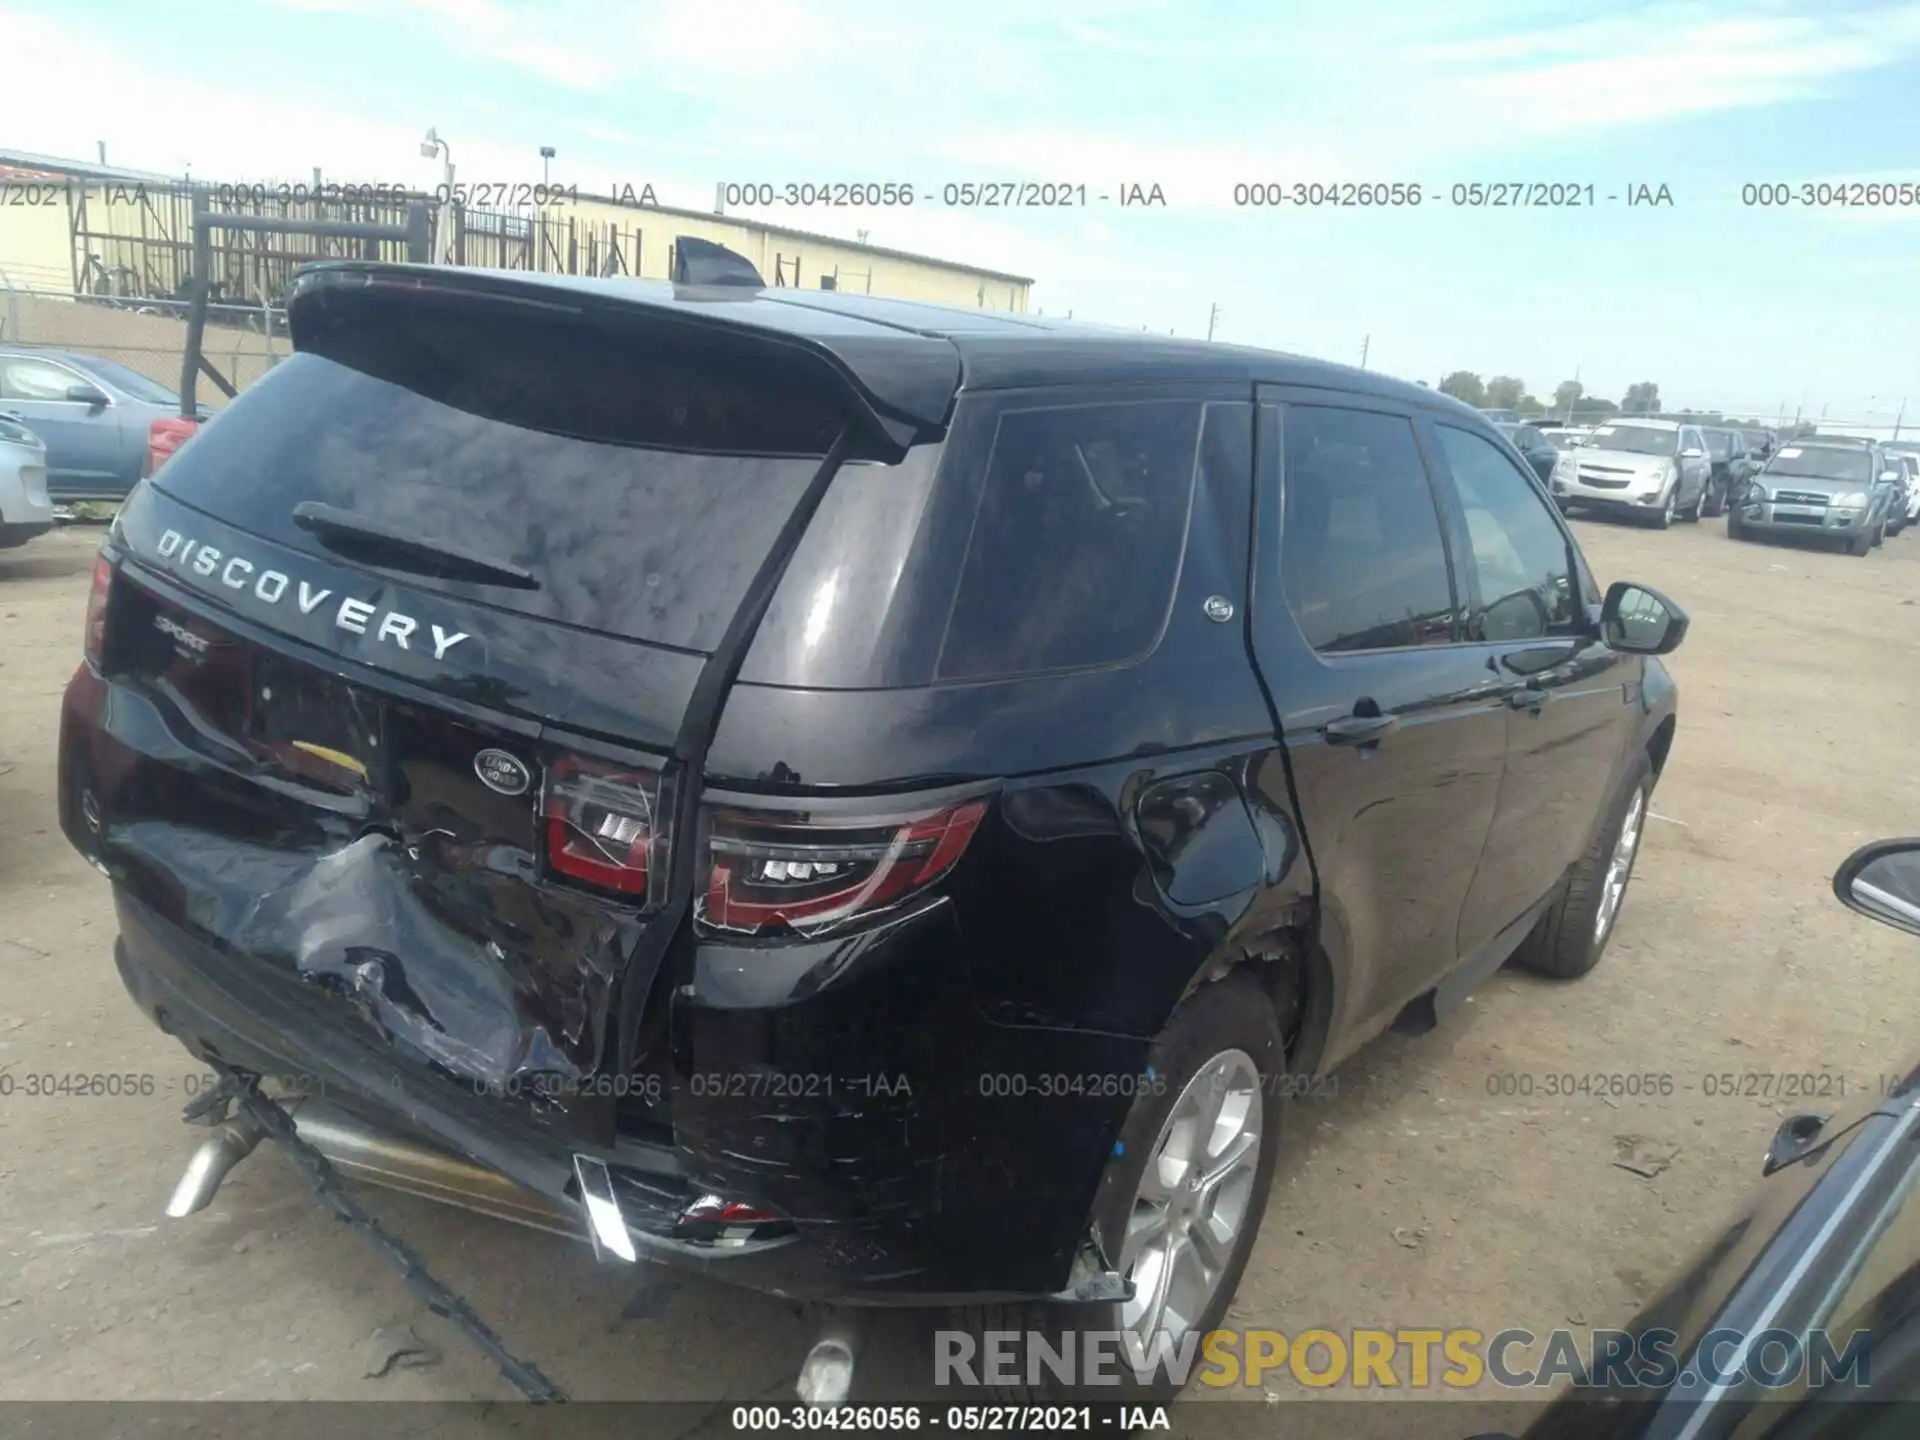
(770, 871)
(605, 825)
(94, 641)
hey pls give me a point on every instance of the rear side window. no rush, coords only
(1076, 544)
(1362, 563)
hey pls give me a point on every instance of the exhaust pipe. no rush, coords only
(375, 1157)
(826, 1375)
(231, 1142)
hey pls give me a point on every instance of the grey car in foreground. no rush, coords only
(1655, 470)
(1839, 491)
(25, 510)
(93, 415)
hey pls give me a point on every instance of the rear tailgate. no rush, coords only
(443, 795)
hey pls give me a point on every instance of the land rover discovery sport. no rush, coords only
(880, 803)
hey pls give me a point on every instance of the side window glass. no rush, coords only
(1527, 586)
(1077, 543)
(22, 379)
(1362, 563)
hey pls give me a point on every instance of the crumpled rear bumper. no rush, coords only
(228, 1008)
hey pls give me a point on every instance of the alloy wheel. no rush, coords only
(1195, 1198)
(1620, 865)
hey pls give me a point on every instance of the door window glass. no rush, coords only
(1526, 573)
(1362, 563)
(25, 379)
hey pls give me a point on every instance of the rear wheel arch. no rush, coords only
(1296, 976)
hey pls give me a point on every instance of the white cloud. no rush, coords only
(528, 38)
(1624, 70)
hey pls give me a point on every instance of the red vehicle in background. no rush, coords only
(164, 436)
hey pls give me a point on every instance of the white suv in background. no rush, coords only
(1653, 469)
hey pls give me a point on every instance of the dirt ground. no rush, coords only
(1419, 1196)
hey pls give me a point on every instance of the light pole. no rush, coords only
(435, 144)
(547, 153)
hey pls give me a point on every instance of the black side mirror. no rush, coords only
(90, 395)
(1641, 621)
(1882, 882)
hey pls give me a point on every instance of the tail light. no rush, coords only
(94, 642)
(605, 826)
(771, 871)
(166, 435)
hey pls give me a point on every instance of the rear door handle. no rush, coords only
(1357, 729)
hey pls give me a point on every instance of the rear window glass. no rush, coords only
(652, 544)
(1076, 544)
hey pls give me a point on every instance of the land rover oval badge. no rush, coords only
(503, 772)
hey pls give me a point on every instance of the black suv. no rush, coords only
(880, 803)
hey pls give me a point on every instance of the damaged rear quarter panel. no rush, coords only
(949, 1085)
(405, 890)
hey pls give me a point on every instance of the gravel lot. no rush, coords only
(1420, 1196)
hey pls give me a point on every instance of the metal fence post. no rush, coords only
(197, 313)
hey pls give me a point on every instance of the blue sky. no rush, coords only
(1720, 303)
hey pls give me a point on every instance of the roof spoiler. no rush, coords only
(704, 262)
(898, 393)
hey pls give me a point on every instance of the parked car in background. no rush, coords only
(1823, 1259)
(1501, 417)
(1909, 453)
(1907, 479)
(568, 772)
(1653, 470)
(1534, 447)
(1725, 449)
(96, 417)
(1829, 489)
(25, 510)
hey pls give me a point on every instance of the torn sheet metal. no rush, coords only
(452, 950)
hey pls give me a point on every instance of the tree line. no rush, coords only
(1571, 401)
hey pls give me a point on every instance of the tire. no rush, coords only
(1692, 514)
(1714, 505)
(1735, 530)
(1880, 535)
(1861, 546)
(1668, 509)
(1571, 938)
(1232, 1015)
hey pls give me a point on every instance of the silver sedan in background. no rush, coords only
(25, 510)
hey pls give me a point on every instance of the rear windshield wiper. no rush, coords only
(349, 534)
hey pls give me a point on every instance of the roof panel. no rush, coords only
(899, 349)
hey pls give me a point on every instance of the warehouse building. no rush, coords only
(74, 228)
